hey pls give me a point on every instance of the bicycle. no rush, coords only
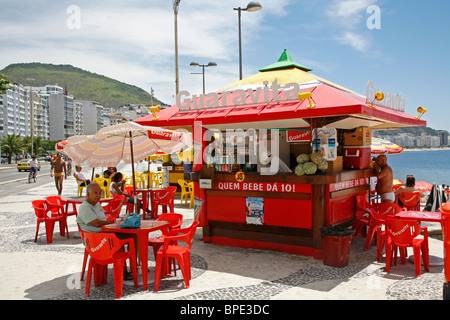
(32, 176)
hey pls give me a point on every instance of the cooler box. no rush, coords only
(357, 157)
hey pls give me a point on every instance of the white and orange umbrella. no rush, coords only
(128, 142)
(61, 145)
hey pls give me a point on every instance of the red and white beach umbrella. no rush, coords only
(59, 146)
(128, 142)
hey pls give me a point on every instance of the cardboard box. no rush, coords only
(362, 136)
(336, 165)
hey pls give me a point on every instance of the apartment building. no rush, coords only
(15, 111)
(64, 116)
(92, 116)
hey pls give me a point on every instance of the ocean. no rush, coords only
(430, 166)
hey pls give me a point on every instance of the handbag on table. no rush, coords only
(133, 221)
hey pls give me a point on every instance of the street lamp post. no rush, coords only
(251, 7)
(176, 3)
(196, 64)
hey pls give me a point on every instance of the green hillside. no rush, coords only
(83, 85)
(415, 131)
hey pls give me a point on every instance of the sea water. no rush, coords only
(431, 166)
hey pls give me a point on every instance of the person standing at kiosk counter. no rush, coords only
(385, 179)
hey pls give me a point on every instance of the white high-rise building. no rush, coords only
(61, 110)
(92, 116)
(15, 111)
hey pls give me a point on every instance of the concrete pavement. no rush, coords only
(40, 271)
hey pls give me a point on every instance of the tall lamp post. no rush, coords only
(251, 7)
(176, 3)
(196, 64)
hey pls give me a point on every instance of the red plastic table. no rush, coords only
(142, 234)
(420, 216)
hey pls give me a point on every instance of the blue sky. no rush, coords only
(133, 42)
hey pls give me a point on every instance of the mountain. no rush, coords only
(83, 85)
(415, 131)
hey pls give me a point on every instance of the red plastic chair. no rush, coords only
(360, 220)
(129, 191)
(172, 189)
(171, 249)
(164, 198)
(113, 209)
(103, 249)
(86, 254)
(403, 234)
(409, 201)
(57, 206)
(175, 221)
(377, 222)
(41, 210)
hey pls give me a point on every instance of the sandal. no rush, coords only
(127, 275)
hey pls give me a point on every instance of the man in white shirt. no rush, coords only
(91, 216)
(33, 165)
(82, 181)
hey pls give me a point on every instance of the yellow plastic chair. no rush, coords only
(80, 188)
(187, 190)
(103, 185)
(140, 180)
(157, 179)
(146, 179)
(108, 183)
(191, 192)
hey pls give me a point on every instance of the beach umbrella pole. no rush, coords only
(132, 168)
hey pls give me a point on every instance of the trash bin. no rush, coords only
(336, 246)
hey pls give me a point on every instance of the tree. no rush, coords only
(11, 145)
(38, 145)
(4, 83)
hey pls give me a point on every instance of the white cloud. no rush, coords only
(134, 42)
(355, 40)
(348, 17)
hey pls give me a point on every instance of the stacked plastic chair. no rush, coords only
(164, 198)
(175, 221)
(172, 250)
(377, 225)
(43, 214)
(402, 234)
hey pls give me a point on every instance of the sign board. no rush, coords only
(325, 142)
(298, 136)
(205, 183)
(263, 186)
(254, 210)
(349, 184)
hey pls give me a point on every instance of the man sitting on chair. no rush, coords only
(80, 177)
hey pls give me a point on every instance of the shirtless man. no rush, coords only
(385, 179)
(59, 164)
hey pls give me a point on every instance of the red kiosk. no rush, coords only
(237, 202)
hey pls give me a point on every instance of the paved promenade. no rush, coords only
(40, 271)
